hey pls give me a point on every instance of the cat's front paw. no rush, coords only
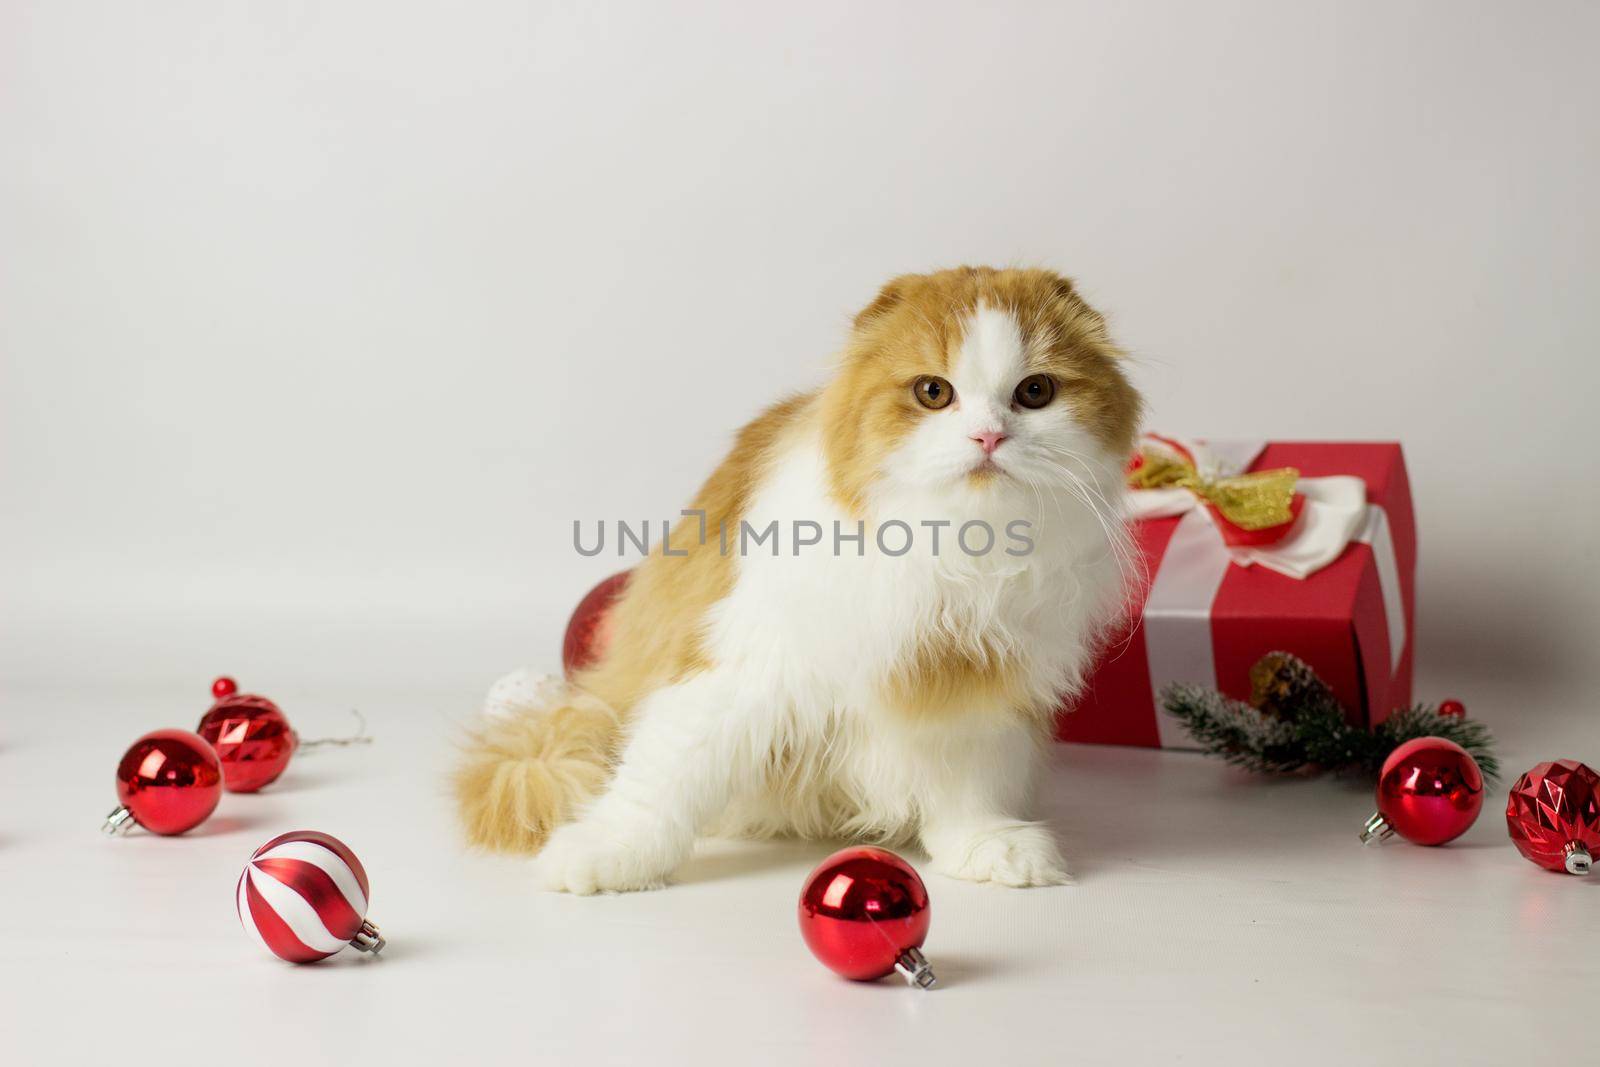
(1016, 854)
(586, 857)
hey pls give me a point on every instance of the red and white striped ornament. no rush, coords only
(303, 897)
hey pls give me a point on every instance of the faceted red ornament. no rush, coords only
(251, 735)
(168, 782)
(1429, 791)
(1453, 708)
(303, 896)
(1554, 816)
(589, 630)
(864, 913)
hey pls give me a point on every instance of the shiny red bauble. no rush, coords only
(252, 737)
(589, 629)
(1453, 708)
(169, 781)
(1429, 791)
(1553, 816)
(864, 913)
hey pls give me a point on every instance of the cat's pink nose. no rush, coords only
(989, 440)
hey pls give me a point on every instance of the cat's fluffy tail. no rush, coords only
(528, 771)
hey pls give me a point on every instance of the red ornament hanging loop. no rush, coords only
(1429, 791)
(864, 913)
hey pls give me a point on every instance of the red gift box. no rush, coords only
(1351, 621)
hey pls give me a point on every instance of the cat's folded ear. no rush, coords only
(892, 293)
(1062, 288)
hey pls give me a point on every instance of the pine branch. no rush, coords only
(1294, 721)
(1422, 721)
(1232, 729)
(1330, 743)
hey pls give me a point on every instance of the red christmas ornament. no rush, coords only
(251, 735)
(864, 913)
(1429, 791)
(588, 631)
(1553, 815)
(169, 781)
(303, 896)
(1453, 708)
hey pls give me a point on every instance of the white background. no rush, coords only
(320, 323)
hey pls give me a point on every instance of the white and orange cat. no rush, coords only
(872, 674)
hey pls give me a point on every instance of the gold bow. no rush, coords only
(1255, 501)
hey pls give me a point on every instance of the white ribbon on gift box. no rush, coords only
(1177, 613)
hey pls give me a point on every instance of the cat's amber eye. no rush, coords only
(933, 392)
(1035, 391)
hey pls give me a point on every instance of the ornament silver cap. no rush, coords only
(915, 969)
(368, 939)
(120, 821)
(1578, 860)
(1377, 828)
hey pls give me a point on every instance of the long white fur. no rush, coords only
(800, 645)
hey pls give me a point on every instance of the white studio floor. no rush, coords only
(1218, 919)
